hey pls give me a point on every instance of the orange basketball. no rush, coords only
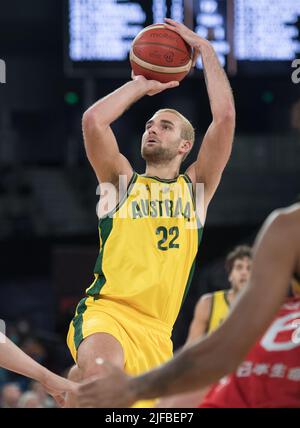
(160, 54)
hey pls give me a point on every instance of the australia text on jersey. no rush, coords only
(155, 200)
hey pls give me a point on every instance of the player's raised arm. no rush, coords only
(217, 143)
(100, 143)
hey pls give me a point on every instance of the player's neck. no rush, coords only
(161, 171)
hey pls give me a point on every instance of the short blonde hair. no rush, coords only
(187, 130)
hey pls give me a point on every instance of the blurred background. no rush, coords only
(60, 57)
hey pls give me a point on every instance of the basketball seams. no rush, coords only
(160, 44)
(154, 27)
(160, 71)
(142, 32)
(160, 68)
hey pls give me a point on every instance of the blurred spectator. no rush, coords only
(34, 349)
(45, 400)
(10, 396)
(30, 400)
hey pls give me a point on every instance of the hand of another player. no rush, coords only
(154, 87)
(189, 36)
(111, 391)
(58, 386)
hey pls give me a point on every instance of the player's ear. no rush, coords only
(186, 146)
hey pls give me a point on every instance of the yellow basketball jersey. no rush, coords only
(219, 309)
(148, 246)
(296, 285)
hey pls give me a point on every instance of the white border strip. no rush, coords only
(159, 68)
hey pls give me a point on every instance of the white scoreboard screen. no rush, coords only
(250, 36)
(265, 30)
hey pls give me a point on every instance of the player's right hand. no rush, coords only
(111, 391)
(193, 39)
(154, 87)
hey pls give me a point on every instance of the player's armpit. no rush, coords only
(200, 320)
(213, 155)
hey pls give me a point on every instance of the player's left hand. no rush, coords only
(154, 87)
(192, 39)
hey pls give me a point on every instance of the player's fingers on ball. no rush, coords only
(195, 56)
(171, 21)
(170, 27)
(175, 24)
(171, 24)
(172, 84)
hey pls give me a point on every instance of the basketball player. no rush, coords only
(276, 261)
(213, 308)
(269, 376)
(210, 311)
(14, 359)
(147, 249)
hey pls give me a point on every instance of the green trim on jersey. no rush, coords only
(226, 298)
(78, 321)
(162, 180)
(189, 281)
(190, 186)
(191, 274)
(105, 228)
(124, 198)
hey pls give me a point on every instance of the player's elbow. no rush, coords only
(92, 121)
(226, 117)
(230, 114)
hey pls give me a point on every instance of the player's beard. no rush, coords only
(157, 154)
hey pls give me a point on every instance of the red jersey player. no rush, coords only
(270, 374)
